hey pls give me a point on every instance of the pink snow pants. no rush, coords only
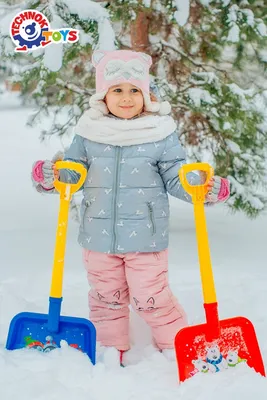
(139, 279)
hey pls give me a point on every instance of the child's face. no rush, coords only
(125, 100)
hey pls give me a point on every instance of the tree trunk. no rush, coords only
(139, 32)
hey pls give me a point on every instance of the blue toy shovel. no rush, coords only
(45, 331)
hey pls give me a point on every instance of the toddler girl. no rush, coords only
(129, 145)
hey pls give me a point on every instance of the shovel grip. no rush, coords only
(198, 192)
(73, 187)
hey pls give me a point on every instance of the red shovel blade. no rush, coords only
(236, 343)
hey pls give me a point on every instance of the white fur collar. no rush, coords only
(118, 132)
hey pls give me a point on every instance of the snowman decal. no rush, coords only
(49, 345)
(215, 358)
(201, 366)
(233, 359)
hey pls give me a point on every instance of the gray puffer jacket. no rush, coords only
(125, 207)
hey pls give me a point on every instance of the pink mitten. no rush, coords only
(37, 171)
(220, 190)
(43, 173)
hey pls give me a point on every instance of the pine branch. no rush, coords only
(196, 63)
(185, 89)
(74, 88)
(181, 103)
(55, 130)
(9, 7)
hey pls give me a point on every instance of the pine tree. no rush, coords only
(210, 62)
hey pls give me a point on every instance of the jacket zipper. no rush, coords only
(151, 217)
(115, 195)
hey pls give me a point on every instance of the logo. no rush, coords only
(30, 30)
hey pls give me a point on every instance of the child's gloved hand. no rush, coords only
(44, 173)
(219, 188)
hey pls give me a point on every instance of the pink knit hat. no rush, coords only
(119, 66)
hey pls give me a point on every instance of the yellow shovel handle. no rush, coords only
(198, 193)
(66, 190)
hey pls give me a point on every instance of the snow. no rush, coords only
(53, 56)
(233, 34)
(6, 19)
(27, 233)
(205, 2)
(235, 15)
(40, 86)
(147, 3)
(87, 9)
(106, 34)
(249, 16)
(54, 52)
(262, 29)
(198, 95)
(203, 78)
(232, 15)
(182, 13)
(91, 10)
(227, 126)
(85, 38)
(232, 18)
(235, 89)
(234, 147)
(226, 2)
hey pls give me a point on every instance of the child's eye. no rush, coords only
(117, 90)
(135, 90)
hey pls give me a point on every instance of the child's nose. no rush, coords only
(126, 98)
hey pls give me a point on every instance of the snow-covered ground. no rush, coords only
(27, 233)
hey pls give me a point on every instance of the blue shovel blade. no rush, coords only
(30, 330)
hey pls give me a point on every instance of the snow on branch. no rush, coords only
(182, 13)
(73, 87)
(91, 10)
(4, 6)
(183, 54)
(238, 18)
(86, 9)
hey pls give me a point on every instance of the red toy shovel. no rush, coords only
(215, 345)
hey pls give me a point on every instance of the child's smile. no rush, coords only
(125, 100)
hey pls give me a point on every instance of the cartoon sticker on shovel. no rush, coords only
(215, 361)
